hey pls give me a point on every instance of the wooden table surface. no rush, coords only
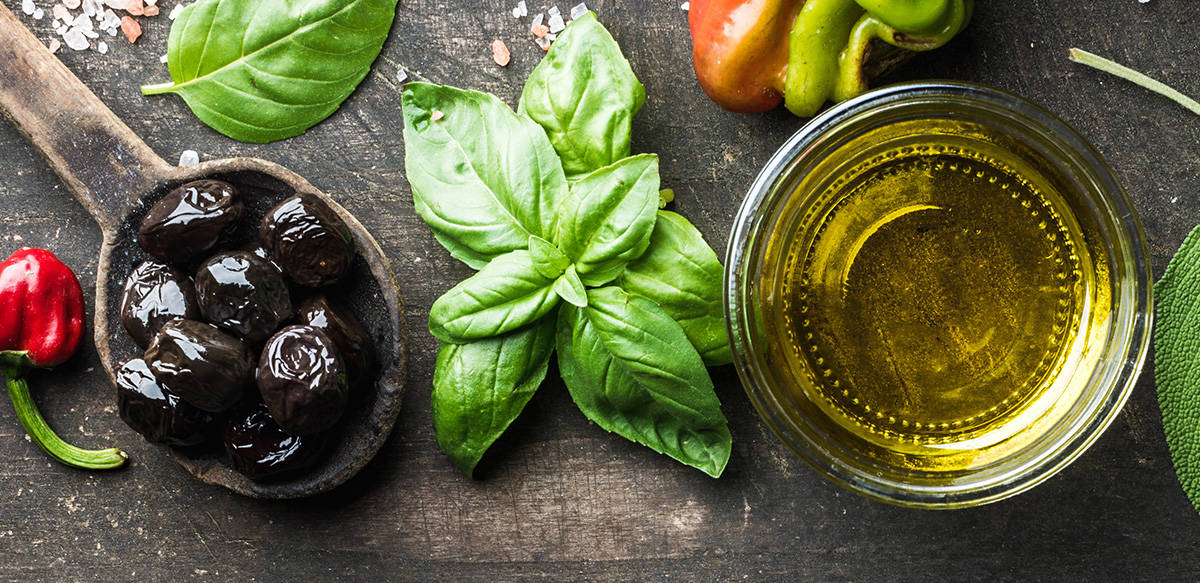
(560, 498)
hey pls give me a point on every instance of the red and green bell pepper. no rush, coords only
(41, 323)
(752, 54)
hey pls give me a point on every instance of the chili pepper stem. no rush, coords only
(1097, 62)
(42, 435)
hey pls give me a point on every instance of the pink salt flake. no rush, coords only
(151, 10)
(540, 30)
(500, 53)
(436, 115)
(131, 28)
(135, 7)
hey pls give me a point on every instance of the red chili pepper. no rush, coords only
(41, 323)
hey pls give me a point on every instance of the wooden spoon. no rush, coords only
(117, 177)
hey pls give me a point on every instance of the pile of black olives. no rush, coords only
(248, 317)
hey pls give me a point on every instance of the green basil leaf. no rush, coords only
(682, 274)
(480, 387)
(505, 295)
(548, 260)
(570, 289)
(606, 220)
(631, 370)
(265, 70)
(483, 178)
(584, 94)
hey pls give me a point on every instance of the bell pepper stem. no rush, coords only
(42, 435)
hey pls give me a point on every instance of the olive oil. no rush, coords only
(931, 298)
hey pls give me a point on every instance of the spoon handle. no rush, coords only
(97, 156)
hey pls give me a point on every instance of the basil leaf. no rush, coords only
(548, 260)
(584, 94)
(483, 178)
(606, 220)
(265, 70)
(479, 388)
(682, 274)
(570, 289)
(631, 370)
(505, 295)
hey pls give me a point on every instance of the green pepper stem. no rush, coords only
(51, 443)
(1097, 62)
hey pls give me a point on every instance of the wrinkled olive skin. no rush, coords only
(341, 326)
(244, 294)
(204, 366)
(309, 242)
(302, 380)
(190, 221)
(155, 412)
(258, 448)
(156, 293)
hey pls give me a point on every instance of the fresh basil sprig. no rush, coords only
(581, 261)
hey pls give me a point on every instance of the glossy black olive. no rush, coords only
(302, 380)
(340, 324)
(156, 293)
(309, 241)
(259, 448)
(244, 294)
(203, 365)
(155, 412)
(189, 222)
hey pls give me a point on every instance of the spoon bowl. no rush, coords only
(117, 178)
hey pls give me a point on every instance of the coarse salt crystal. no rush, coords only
(135, 7)
(91, 34)
(540, 30)
(150, 10)
(500, 53)
(115, 4)
(188, 158)
(552, 11)
(552, 37)
(60, 12)
(54, 45)
(151, 2)
(436, 115)
(38, 13)
(54, 24)
(102, 47)
(542, 43)
(556, 23)
(72, 4)
(89, 8)
(27, 7)
(82, 22)
(61, 30)
(537, 20)
(163, 59)
(578, 10)
(401, 75)
(686, 6)
(175, 11)
(75, 39)
(131, 28)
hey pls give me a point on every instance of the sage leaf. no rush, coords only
(570, 289)
(682, 274)
(479, 388)
(584, 94)
(265, 70)
(1177, 361)
(483, 178)
(548, 260)
(607, 218)
(630, 369)
(505, 295)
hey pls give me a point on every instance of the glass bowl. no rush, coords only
(1086, 389)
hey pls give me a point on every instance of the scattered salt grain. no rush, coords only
(102, 47)
(537, 21)
(552, 37)
(542, 43)
(500, 53)
(75, 39)
(578, 10)
(163, 59)
(72, 4)
(131, 28)
(61, 30)
(150, 10)
(115, 4)
(556, 23)
(686, 6)
(401, 75)
(54, 45)
(553, 11)
(436, 115)
(89, 8)
(151, 2)
(60, 12)
(175, 11)
(521, 9)
(82, 22)
(27, 7)
(135, 7)
(38, 13)
(54, 24)
(540, 30)
(188, 158)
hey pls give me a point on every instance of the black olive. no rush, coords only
(191, 220)
(244, 294)
(155, 412)
(259, 448)
(154, 294)
(203, 365)
(340, 324)
(302, 380)
(308, 240)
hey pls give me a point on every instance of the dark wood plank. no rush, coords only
(562, 499)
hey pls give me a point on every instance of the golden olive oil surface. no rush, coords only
(935, 295)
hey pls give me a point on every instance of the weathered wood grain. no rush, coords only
(561, 499)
